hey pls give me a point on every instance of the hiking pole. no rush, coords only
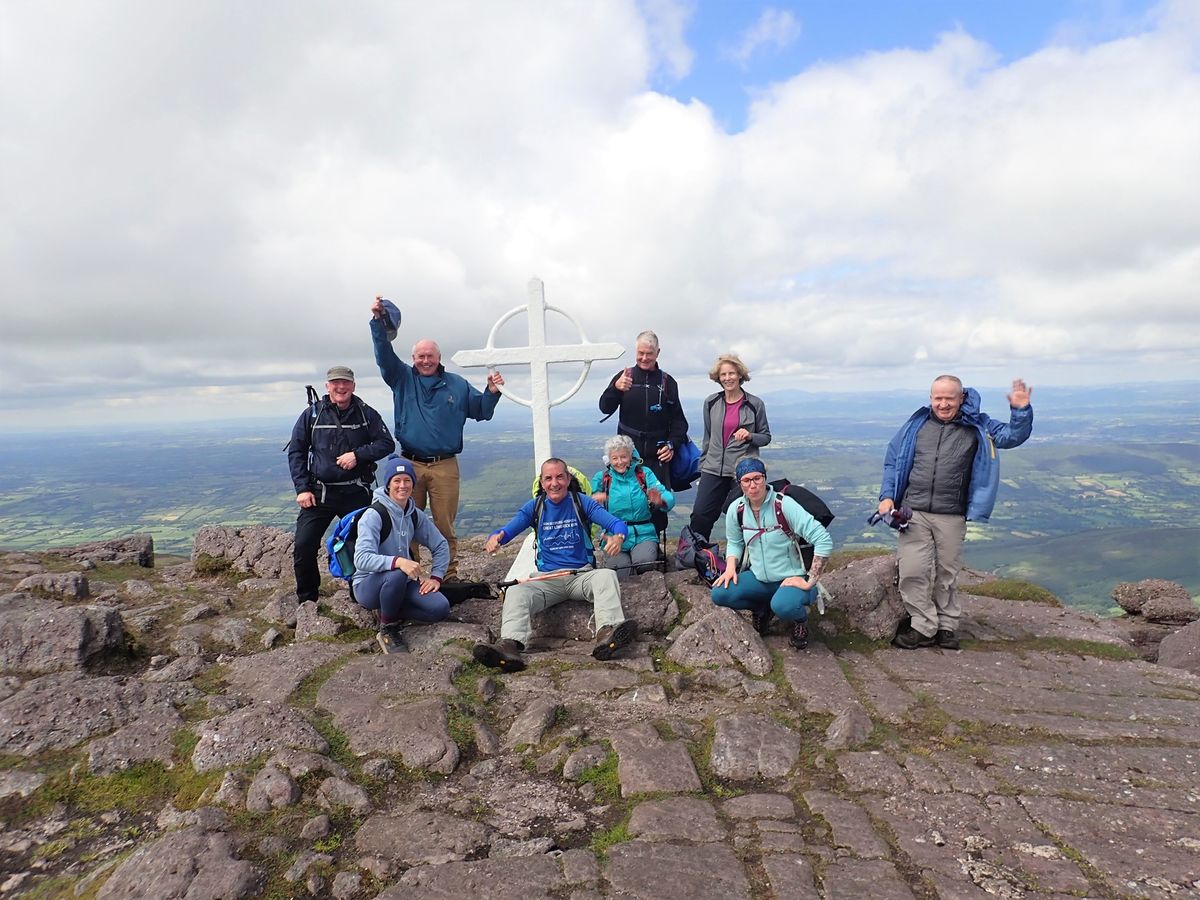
(545, 576)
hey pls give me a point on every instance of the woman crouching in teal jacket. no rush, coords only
(775, 581)
(636, 499)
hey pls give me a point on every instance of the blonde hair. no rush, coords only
(733, 360)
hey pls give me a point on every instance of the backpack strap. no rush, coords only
(385, 524)
(584, 526)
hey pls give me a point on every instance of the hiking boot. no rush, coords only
(390, 639)
(912, 639)
(612, 638)
(504, 655)
(762, 621)
(799, 638)
(946, 639)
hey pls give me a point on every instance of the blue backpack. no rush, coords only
(341, 543)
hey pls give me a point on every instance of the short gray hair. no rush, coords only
(618, 442)
(647, 337)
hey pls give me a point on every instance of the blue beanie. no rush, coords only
(747, 465)
(397, 465)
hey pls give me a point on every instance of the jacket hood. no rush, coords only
(971, 407)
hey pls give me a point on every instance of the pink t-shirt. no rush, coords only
(730, 425)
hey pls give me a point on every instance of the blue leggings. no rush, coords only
(397, 597)
(750, 593)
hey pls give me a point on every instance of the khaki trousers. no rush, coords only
(437, 490)
(597, 586)
(930, 556)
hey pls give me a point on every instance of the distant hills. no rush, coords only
(1107, 490)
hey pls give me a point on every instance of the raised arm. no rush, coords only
(391, 367)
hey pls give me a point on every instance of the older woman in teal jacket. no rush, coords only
(775, 581)
(631, 491)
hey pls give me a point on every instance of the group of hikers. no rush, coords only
(940, 470)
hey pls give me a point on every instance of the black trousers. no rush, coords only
(311, 525)
(713, 493)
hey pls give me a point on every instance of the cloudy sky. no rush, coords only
(198, 201)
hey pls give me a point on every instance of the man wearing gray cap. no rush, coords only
(332, 454)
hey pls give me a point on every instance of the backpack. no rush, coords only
(710, 565)
(693, 552)
(810, 502)
(341, 543)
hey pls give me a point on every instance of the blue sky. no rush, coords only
(739, 47)
(851, 195)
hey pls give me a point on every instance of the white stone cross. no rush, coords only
(538, 355)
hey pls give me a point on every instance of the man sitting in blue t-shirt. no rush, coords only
(563, 544)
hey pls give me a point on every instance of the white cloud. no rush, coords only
(665, 24)
(200, 202)
(773, 28)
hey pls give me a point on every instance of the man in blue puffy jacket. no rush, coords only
(332, 454)
(432, 407)
(942, 464)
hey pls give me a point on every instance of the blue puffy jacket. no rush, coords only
(985, 468)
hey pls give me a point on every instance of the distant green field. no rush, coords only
(1082, 507)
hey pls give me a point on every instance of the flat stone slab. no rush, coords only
(648, 764)
(817, 678)
(421, 837)
(150, 738)
(1058, 693)
(673, 872)
(994, 619)
(20, 784)
(274, 675)
(871, 770)
(594, 682)
(849, 823)
(965, 840)
(187, 863)
(858, 879)
(760, 806)
(1140, 850)
(394, 704)
(676, 819)
(748, 745)
(1154, 777)
(790, 876)
(534, 877)
(55, 712)
(240, 736)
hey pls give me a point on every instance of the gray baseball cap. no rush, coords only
(340, 373)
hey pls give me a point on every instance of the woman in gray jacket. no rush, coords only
(735, 426)
(386, 577)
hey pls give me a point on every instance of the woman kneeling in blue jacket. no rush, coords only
(776, 582)
(386, 578)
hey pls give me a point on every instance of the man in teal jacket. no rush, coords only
(942, 465)
(431, 407)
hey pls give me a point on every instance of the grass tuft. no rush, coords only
(1010, 589)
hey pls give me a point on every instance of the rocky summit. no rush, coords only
(181, 729)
